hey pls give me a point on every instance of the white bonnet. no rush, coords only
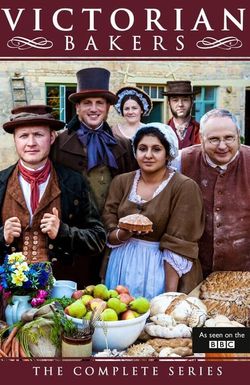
(168, 133)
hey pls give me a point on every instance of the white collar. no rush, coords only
(222, 166)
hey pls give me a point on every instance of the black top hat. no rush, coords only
(93, 82)
(179, 87)
(30, 116)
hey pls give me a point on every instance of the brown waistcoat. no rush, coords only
(32, 242)
(225, 244)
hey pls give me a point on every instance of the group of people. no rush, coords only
(63, 199)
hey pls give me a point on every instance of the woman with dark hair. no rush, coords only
(132, 104)
(165, 259)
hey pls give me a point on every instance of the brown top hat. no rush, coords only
(93, 82)
(179, 87)
(30, 116)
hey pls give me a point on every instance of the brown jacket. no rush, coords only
(176, 213)
(225, 244)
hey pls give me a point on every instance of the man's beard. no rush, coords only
(175, 115)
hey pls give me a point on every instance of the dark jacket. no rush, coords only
(69, 151)
(81, 234)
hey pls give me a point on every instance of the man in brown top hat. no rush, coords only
(46, 211)
(88, 145)
(180, 99)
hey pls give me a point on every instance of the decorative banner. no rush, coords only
(113, 372)
(148, 29)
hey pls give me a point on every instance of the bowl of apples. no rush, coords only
(121, 319)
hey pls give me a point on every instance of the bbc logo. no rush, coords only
(221, 345)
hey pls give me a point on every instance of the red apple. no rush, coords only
(77, 294)
(128, 314)
(125, 298)
(122, 289)
(96, 302)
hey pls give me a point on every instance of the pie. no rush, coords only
(227, 293)
(135, 222)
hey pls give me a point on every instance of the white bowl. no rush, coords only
(120, 334)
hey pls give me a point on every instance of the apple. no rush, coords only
(77, 294)
(122, 289)
(129, 314)
(96, 302)
(126, 298)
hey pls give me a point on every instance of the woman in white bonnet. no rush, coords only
(132, 103)
(165, 259)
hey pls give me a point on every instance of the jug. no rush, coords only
(63, 288)
(14, 311)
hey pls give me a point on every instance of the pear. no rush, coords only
(109, 315)
(113, 293)
(89, 289)
(101, 291)
(88, 315)
(77, 309)
(140, 305)
(86, 298)
(116, 305)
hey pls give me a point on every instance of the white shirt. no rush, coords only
(25, 186)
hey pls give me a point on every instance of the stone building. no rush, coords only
(219, 84)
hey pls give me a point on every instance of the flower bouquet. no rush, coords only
(17, 277)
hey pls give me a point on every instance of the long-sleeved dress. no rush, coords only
(178, 222)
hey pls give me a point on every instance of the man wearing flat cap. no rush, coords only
(180, 99)
(46, 210)
(88, 145)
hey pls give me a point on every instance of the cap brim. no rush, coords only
(78, 96)
(54, 124)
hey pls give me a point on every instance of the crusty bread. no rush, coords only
(135, 222)
(227, 293)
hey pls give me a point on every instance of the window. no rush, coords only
(155, 93)
(205, 100)
(57, 98)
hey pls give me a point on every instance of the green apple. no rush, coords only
(109, 315)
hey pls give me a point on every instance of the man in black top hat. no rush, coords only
(180, 99)
(88, 144)
(45, 209)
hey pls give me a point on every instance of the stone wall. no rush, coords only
(232, 78)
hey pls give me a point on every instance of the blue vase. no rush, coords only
(14, 311)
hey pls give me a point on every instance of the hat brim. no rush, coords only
(53, 124)
(179, 93)
(78, 96)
